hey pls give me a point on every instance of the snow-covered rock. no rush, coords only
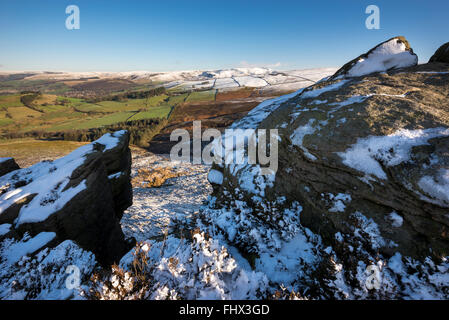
(362, 181)
(72, 198)
(391, 54)
(57, 273)
(215, 177)
(200, 269)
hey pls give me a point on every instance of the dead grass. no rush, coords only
(45, 98)
(27, 152)
(154, 178)
(234, 94)
(285, 294)
(118, 284)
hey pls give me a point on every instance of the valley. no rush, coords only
(82, 106)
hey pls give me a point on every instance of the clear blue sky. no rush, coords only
(183, 35)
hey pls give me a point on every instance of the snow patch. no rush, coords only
(43, 276)
(437, 187)
(339, 202)
(287, 265)
(298, 135)
(215, 176)
(115, 175)
(110, 140)
(4, 228)
(390, 150)
(395, 219)
(317, 92)
(432, 72)
(18, 250)
(367, 227)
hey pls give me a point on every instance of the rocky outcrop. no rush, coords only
(442, 54)
(79, 197)
(363, 179)
(391, 54)
(117, 161)
(7, 165)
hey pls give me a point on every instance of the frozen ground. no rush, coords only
(153, 208)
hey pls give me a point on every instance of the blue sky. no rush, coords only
(184, 35)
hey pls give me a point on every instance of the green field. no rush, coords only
(5, 121)
(10, 101)
(46, 86)
(156, 112)
(177, 99)
(52, 113)
(29, 151)
(201, 96)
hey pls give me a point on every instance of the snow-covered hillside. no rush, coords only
(203, 79)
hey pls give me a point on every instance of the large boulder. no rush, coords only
(7, 165)
(392, 54)
(363, 179)
(79, 197)
(442, 54)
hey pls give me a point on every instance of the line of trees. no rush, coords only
(129, 95)
(27, 98)
(141, 132)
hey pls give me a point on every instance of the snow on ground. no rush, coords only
(249, 81)
(294, 259)
(18, 250)
(265, 78)
(43, 276)
(225, 83)
(191, 85)
(312, 74)
(156, 210)
(285, 87)
(202, 267)
(152, 208)
(197, 270)
(280, 78)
